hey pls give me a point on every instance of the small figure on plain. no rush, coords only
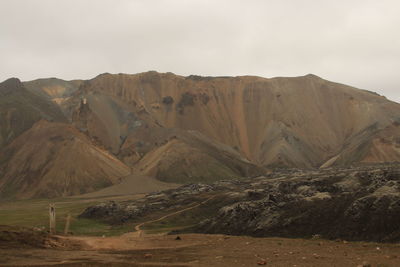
(52, 218)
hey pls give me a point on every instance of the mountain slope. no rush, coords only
(372, 145)
(183, 129)
(20, 109)
(53, 88)
(54, 159)
(188, 156)
(300, 121)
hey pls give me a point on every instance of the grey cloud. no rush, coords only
(356, 42)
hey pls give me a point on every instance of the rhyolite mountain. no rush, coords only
(20, 109)
(183, 129)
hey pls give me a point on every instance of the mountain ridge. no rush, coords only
(129, 86)
(155, 122)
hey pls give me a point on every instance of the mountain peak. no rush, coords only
(12, 82)
(312, 76)
(10, 85)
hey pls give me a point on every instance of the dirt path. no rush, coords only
(139, 226)
(137, 239)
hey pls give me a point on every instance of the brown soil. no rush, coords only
(205, 250)
(17, 248)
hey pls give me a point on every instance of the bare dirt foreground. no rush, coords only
(201, 250)
(21, 246)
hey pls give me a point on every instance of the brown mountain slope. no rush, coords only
(170, 154)
(63, 166)
(55, 89)
(20, 109)
(372, 145)
(185, 129)
(301, 121)
(188, 156)
(53, 159)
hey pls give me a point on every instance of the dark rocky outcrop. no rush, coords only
(358, 203)
(353, 204)
(168, 100)
(117, 213)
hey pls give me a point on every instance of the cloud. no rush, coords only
(355, 42)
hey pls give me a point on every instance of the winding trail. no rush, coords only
(134, 240)
(139, 226)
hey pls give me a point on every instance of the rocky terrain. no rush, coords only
(97, 133)
(120, 212)
(358, 203)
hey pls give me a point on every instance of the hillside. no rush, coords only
(54, 159)
(184, 129)
(20, 109)
(301, 121)
(53, 88)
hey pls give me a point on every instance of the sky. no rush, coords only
(356, 42)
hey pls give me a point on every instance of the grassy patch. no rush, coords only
(34, 213)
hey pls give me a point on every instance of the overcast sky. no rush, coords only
(356, 42)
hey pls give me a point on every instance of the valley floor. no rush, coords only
(141, 240)
(205, 250)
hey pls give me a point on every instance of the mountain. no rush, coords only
(55, 159)
(20, 109)
(53, 88)
(183, 129)
(301, 121)
(189, 156)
